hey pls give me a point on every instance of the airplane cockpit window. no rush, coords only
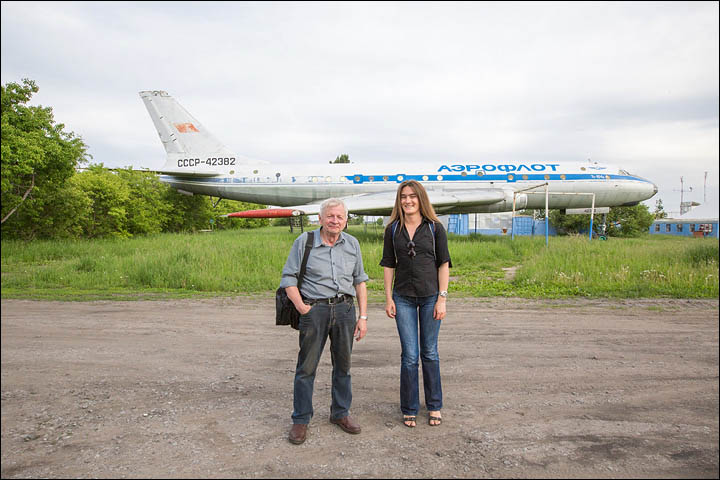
(624, 172)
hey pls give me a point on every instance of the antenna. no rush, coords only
(684, 207)
(705, 189)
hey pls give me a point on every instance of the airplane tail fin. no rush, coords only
(182, 135)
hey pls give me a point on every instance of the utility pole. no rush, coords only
(682, 190)
(705, 189)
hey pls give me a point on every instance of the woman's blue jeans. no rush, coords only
(411, 312)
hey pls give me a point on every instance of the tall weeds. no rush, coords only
(250, 261)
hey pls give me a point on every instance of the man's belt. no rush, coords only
(330, 301)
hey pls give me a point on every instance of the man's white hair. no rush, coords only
(330, 203)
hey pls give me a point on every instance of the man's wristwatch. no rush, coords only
(363, 317)
(443, 294)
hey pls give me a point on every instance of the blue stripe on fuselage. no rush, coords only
(375, 179)
(507, 177)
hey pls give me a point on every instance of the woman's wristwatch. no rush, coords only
(443, 294)
(363, 317)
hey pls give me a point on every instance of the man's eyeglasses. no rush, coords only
(411, 249)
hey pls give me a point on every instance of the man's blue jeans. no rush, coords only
(412, 312)
(337, 322)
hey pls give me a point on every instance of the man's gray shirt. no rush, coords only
(330, 271)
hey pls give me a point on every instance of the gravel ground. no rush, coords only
(203, 388)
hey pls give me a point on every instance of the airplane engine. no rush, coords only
(521, 201)
(506, 204)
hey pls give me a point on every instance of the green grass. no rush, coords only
(250, 261)
(626, 268)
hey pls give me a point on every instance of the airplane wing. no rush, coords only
(381, 203)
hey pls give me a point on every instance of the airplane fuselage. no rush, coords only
(294, 184)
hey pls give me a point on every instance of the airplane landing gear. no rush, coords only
(297, 222)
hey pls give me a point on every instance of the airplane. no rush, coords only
(198, 163)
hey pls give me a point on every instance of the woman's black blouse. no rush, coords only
(416, 276)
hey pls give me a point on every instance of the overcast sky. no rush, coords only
(632, 84)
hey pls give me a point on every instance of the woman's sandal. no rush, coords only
(409, 418)
(434, 419)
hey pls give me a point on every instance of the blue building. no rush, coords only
(495, 224)
(701, 221)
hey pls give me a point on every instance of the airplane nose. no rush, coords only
(655, 189)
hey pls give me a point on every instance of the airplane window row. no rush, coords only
(385, 178)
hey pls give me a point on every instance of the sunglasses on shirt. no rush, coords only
(411, 249)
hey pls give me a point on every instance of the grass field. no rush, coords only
(250, 261)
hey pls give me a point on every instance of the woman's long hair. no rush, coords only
(426, 208)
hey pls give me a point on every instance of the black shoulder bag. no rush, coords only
(285, 311)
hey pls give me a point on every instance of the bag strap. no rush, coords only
(394, 227)
(392, 232)
(308, 247)
(432, 229)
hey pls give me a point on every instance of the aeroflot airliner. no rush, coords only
(197, 163)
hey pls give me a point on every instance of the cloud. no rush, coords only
(631, 83)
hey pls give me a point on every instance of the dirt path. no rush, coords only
(203, 388)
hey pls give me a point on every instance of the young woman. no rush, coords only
(416, 256)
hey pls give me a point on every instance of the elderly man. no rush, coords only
(333, 276)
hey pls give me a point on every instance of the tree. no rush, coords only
(108, 194)
(38, 157)
(147, 207)
(58, 213)
(569, 224)
(659, 212)
(629, 221)
(622, 221)
(188, 213)
(342, 159)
